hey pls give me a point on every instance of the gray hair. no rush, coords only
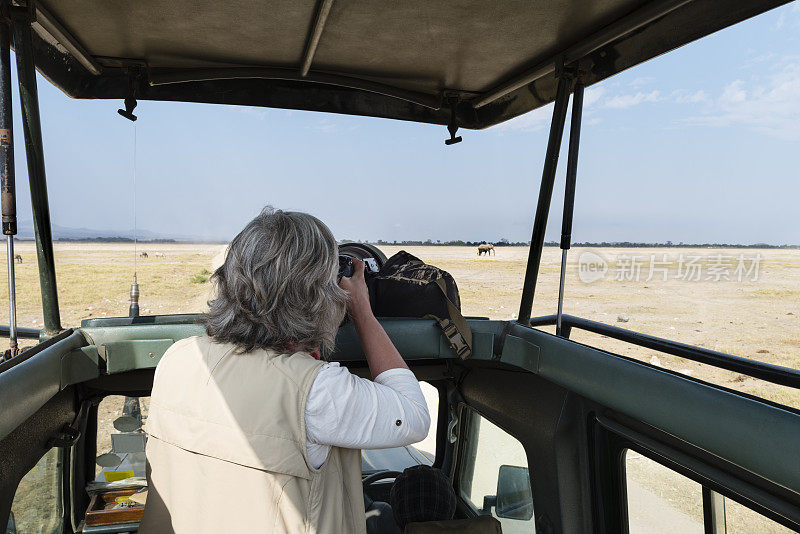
(277, 288)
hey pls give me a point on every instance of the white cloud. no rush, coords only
(630, 100)
(258, 113)
(325, 125)
(529, 122)
(733, 93)
(758, 60)
(592, 95)
(261, 113)
(642, 80)
(683, 97)
(788, 18)
(768, 105)
(540, 118)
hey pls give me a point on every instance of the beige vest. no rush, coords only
(227, 448)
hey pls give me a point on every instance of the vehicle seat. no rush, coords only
(483, 524)
(380, 519)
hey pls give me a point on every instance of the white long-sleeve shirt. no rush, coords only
(344, 410)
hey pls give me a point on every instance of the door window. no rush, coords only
(120, 438)
(37, 506)
(659, 499)
(740, 519)
(493, 474)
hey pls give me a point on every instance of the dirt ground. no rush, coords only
(740, 301)
(94, 280)
(757, 317)
(744, 302)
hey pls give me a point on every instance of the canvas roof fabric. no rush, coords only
(411, 60)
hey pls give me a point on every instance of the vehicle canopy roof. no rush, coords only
(409, 60)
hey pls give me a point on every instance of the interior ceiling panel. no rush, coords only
(474, 62)
(468, 45)
(176, 33)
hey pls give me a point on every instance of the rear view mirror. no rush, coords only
(514, 497)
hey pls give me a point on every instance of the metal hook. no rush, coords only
(130, 100)
(452, 426)
(452, 126)
(130, 105)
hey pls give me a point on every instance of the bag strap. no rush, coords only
(456, 329)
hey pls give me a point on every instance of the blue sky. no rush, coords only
(698, 145)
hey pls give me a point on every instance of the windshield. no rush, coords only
(686, 200)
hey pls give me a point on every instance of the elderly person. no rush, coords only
(250, 429)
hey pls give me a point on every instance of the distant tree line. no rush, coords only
(670, 244)
(455, 243)
(610, 244)
(112, 240)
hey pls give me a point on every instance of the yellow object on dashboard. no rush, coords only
(113, 476)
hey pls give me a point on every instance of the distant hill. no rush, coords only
(66, 233)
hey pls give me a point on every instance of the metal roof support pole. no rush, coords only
(31, 125)
(713, 512)
(545, 195)
(569, 196)
(320, 19)
(7, 189)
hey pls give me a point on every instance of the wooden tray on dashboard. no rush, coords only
(102, 512)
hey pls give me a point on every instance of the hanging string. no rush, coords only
(133, 309)
(135, 251)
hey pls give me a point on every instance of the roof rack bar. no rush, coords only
(631, 22)
(776, 374)
(545, 195)
(164, 77)
(315, 35)
(22, 332)
(31, 125)
(51, 25)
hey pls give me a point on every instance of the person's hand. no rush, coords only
(358, 297)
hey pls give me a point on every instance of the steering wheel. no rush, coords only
(379, 475)
(380, 518)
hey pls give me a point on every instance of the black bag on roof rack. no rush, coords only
(405, 286)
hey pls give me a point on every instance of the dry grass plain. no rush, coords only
(757, 317)
(94, 280)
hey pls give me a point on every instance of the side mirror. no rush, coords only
(514, 496)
